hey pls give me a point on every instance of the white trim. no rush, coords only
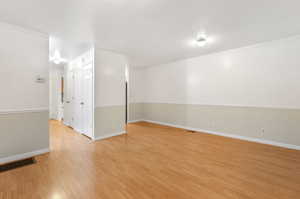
(66, 124)
(15, 111)
(77, 130)
(93, 98)
(262, 141)
(108, 105)
(109, 135)
(226, 105)
(23, 156)
(134, 121)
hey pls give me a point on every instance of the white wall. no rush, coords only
(136, 85)
(109, 93)
(109, 78)
(249, 93)
(24, 103)
(265, 75)
(23, 57)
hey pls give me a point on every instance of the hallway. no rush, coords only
(155, 161)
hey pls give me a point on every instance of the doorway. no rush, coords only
(56, 95)
(79, 91)
(83, 100)
(126, 96)
(126, 102)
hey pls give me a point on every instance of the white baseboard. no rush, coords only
(19, 111)
(262, 141)
(134, 121)
(66, 123)
(109, 135)
(23, 156)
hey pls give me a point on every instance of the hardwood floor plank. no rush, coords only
(154, 161)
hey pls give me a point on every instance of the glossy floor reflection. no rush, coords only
(154, 161)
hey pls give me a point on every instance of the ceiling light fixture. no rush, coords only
(201, 40)
(57, 59)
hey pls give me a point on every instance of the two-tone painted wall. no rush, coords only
(136, 93)
(24, 102)
(249, 93)
(109, 93)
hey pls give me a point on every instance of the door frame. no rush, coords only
(72, 67)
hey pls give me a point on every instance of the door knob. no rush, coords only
(81, 103)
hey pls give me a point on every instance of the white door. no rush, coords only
(79, 109)
(87, 101)
(78, 95)
(83, 101)
(69, 92)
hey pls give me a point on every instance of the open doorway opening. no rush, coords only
(56, 84)
(126, 102)
(79, 89)
(72, 89)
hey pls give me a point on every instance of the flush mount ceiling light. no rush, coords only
(201, 40)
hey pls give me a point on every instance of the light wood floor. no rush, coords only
(153, 161)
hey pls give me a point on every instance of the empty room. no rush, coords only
(150, 99)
